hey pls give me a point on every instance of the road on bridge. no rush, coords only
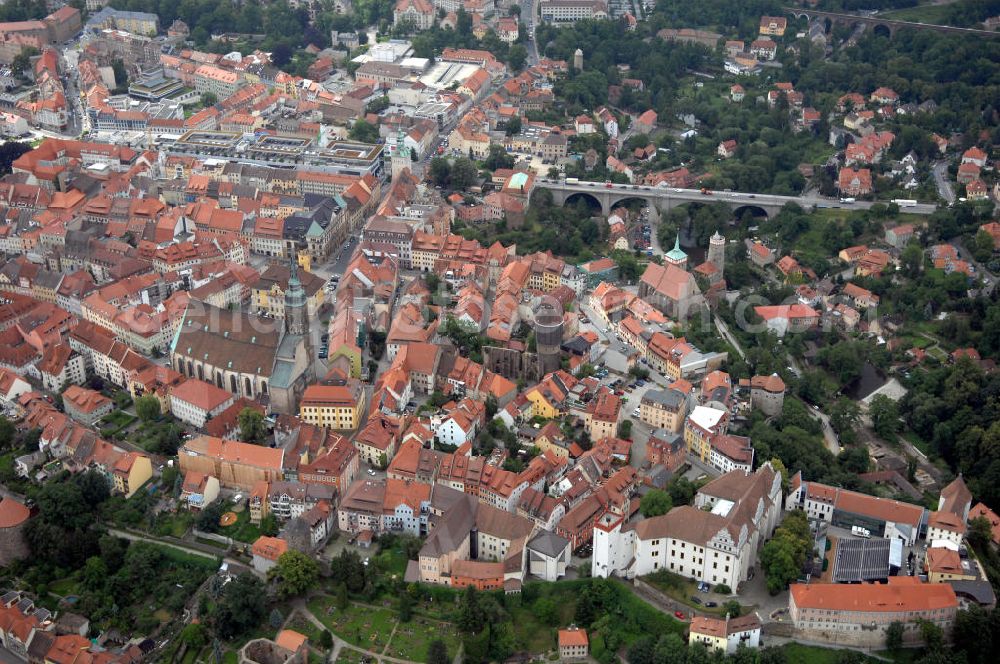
(617, 192)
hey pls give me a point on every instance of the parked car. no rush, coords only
(711, 605)
(696, 599)
(679, 615)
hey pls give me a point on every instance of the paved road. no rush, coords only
(732, 197)
(530, 19)
(944, 187)
(194, 549)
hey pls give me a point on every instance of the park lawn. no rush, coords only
(207, 564)
(413, 639)
(927, 13)
(64, 587)
(174, 525)
(796, 652)
(230, 657)
(531, 634)
(938, 353)
(119, 418)
(242, 530)
(366, 627)
(393, 561)
(348, 656)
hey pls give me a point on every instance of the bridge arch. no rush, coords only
(591, 200)
(753, 210)
(882, 30)
(626, 199)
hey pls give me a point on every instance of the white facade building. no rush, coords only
(714, 541)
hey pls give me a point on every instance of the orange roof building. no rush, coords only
(266, 551)
(867, 610)
(882, 516)
(573, 643)
(237, 465)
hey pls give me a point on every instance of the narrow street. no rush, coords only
(723, 329)
(943, 185)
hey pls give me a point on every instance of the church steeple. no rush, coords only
(295, 301)
(676, 256)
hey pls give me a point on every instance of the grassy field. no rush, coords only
(64, 587)
(366, 627)
(242, 530)
(935, 14)
(412, 639)
(303, 626)
(798, 653)
(174, 525)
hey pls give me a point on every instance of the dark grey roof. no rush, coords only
(548, 544)
(668, 398)
(452, 528)
(979, 590)
(861, 560)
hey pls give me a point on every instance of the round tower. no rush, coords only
(548, 326)
(717, 251)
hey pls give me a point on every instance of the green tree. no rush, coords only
(732, 608)
(884, 414)
(208, 518)
(295, 574)
(325, 639)
(470, 613)
(269, 525)
(513, 127)
(517, 57)
(22, 62)
(625, 429)
(785, 554)
(340, 597)
(121, 74)
(405, 607)
(655, 503)
(10, 151)
(912, 260)
(242, 606)
(894, 636)
(251, 423)
(7, 432)
(363, 131)
(147, 408)
(982, 246)
(437, 653)
(463, 174)
(980, 532)
(209, 99)
(844, 418)
(498, 158)
(932, 635)
(440, 171)
(195, 636)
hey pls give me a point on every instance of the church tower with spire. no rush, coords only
(295, 302)
(676, 256)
